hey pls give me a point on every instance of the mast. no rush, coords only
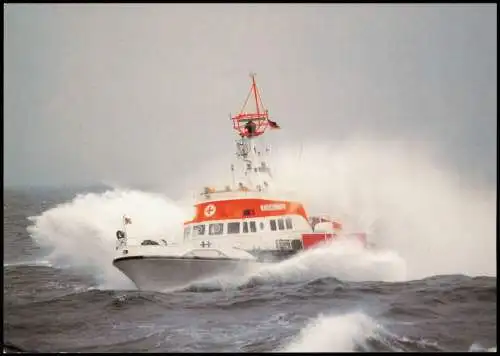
(254, 87)
(250, 126)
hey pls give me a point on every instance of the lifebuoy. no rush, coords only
(120, 235)
(210, 210)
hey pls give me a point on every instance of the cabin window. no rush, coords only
(215, 229)
(187, 231)
(198, 230)
(273, 225)
(261, 224)
(233, 228)
(253, 226)
(289, 224)
(281, 224)
(245, 227)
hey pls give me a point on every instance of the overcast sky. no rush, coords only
(133, 94)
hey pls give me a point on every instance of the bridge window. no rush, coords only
(245, 227)
(233, 228)
(273, 224)
(261, 224)
(215, 229)
(289, 224)
(198, 230)
(253, 226)
(281, 224)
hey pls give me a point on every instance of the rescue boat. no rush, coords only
(247, 222)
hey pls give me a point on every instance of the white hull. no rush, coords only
(158, 268)
(161, 273)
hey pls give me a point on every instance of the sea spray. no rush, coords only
(81, 233)
(403, 198)
(411, 209)
(344, 259)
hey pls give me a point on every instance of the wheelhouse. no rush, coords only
(246, 216)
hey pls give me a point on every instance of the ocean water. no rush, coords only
(62, 294)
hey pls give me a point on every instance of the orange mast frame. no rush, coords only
(259, 117)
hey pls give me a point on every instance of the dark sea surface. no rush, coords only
(61, 307)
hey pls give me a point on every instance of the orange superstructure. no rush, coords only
(245, 208)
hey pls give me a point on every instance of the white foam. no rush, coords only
(346, 260)
(341, 259)
(475, 347)
(334, 333)
(28, 263)
(81, 233)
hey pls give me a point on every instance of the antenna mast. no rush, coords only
(250, 125)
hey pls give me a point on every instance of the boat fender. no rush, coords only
(120, 235)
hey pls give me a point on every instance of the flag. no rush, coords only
(127, 220)
(273, 124)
